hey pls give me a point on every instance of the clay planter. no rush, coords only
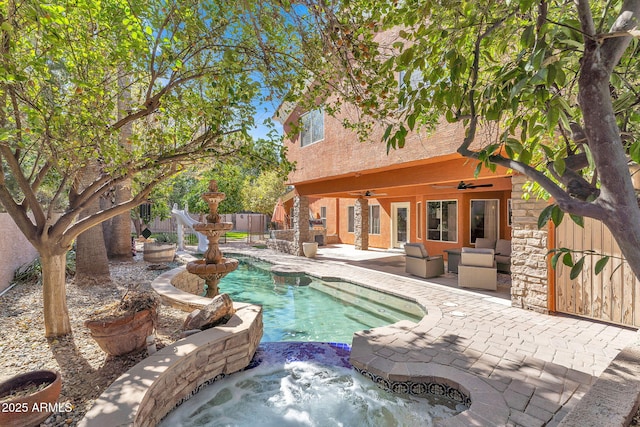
(19, 412)
(155, 252)
(124, 334)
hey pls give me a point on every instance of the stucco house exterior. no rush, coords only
(356, 192)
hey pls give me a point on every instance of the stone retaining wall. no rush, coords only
(188, 282)
(146, 393)
(529, 245)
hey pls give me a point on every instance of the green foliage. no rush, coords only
(261, 193)
(229, 178)
(566, 256)
(145, 89)
(516, 64)
(165, 237)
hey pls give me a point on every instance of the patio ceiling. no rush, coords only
(435, 178)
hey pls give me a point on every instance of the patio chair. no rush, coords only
(477, 269)
(502, 252)
(419, 263)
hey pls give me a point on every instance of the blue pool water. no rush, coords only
(304, 308)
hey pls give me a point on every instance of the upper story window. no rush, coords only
(312, 127)
(407, 85)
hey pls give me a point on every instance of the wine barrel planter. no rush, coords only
(29, 409)
(155, 252)
(124, 334)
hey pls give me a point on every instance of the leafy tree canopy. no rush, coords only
(189, 74)
(555, 83)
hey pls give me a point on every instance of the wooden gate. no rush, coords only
(612, 295)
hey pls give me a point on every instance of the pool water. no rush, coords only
(304, 308)
(304, 384)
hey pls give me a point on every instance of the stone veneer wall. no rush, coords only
(188, 282)
(203, 358)
(529, 261)
(282, 241)
(146, 393)
(300, 224)
(361, 224)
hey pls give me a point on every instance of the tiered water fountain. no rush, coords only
(214, 266)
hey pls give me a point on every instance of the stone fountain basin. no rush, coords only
(215, 226)
(200, 267)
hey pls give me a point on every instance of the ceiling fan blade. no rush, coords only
(464, 186)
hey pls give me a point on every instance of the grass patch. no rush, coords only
(236, 234)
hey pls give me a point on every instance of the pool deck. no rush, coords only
(540, 365)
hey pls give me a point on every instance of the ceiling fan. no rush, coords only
(463, 186)
(368, 193)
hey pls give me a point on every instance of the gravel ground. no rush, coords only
(86, 371)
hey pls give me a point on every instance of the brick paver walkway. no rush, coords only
(540, 364)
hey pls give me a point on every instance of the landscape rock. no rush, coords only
(221, 307)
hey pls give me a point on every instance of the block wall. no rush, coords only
(15, 249)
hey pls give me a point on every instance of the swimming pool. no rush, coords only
(298, 307)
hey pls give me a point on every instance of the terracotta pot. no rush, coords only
(124, 334)
(155, 252)
(33, 409)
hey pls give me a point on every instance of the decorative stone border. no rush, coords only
(419, 388)
(146, 393)
(486, 406)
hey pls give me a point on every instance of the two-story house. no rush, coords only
(424, 192)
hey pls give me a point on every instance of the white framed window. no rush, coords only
(414, 80)
(485, 219)
(442, 220)
(312, 127)
(323, 215)
(374, 219)
(351, 219)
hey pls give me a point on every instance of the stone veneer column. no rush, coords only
(529, 265)
(361, 224)
(300, 223)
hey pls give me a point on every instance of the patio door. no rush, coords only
(399, 224)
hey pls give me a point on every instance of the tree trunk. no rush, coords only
(92, 264)
(120, 239)
(54, 281)
(119, 246)
(625, 228)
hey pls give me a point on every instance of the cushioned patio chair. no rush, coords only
(477, 269)
(419, 263)
(502, 249)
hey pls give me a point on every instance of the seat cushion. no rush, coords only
(481, 242)
(503, 247)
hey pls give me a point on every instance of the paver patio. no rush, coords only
(541, 364)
